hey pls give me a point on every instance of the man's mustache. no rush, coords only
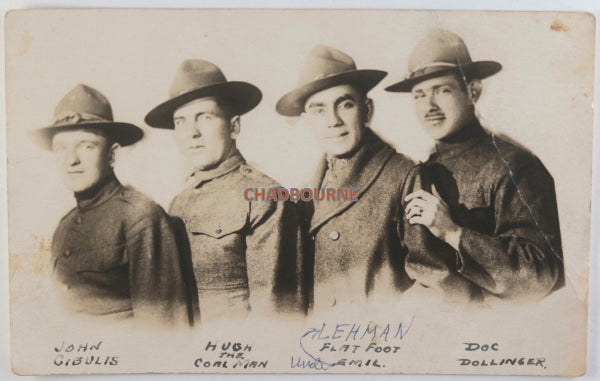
(434, 115)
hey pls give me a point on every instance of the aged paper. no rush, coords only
(542, 99)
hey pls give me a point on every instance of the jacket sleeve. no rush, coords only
(523, 258)
(274, 257)
(158, 290)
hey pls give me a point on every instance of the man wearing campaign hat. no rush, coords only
(490, 203)
(358, 246)
(115, 253)
(244, 253)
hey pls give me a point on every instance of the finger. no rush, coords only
(422, 194)
(417, 220)
(413, 212)
(417, 203)
(417, 194)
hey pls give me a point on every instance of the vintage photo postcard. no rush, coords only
(299, 191)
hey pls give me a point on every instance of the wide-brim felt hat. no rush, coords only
(326, 67)
(197, 79)
(85, 107)
(442, 52)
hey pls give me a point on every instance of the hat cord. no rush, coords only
(75, 117)
(430, 65)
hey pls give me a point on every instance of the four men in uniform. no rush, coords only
(478, 219)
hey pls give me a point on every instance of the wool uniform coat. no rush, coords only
(357, 249)
(245, 254)
(115, 254)
(504, 199)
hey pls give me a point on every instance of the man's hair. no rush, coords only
(362, 101)
(463, 80)
(225, 104)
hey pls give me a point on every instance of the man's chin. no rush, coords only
(78, 188)
(339, 150)
(437, 132)
(204, 165)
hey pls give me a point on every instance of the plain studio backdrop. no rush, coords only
(542, 98)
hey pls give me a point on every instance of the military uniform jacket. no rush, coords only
(504, 199)
(115, 254)
(244, 253)
(357, 246)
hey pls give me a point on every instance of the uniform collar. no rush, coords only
(361, 171)
(337, 164)
(99, 193)
(232, 162)
(351, 166)
(470, 136)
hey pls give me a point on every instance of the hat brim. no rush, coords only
(125, 134)
(473, 70)
(240, 96)
(292, 103)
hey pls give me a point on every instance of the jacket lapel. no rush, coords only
(365, 168)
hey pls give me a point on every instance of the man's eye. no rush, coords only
(346, 105)
(178, 122)
(318, 111)
(418, 95)
(205, 117)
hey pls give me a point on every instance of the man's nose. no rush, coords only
(432, 101)
(72, 158)
(333, 119)
(193, 130)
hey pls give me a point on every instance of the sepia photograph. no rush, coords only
(299, 191)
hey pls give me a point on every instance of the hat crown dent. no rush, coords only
(439, 46)
(194, 74)
(324, 61)
(84, 100)
(326, 67)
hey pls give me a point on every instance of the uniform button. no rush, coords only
(312, 237)
(334, 235)
(218, 231)
(247, 170)
(67, 253)
(332, 302)
(78, 220)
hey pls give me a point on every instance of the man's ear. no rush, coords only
(235, 126)
(369, 110)
(112, 154)
(474, 89)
